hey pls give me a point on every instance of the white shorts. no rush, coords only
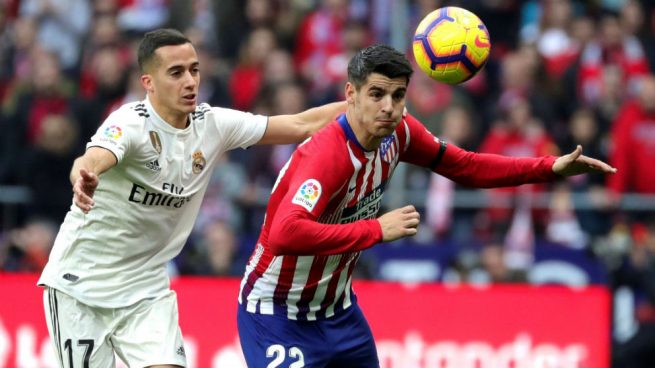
(143, 334)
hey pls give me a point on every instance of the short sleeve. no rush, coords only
(114, 135)
(238, 128)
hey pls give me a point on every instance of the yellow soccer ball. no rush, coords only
(451, 45)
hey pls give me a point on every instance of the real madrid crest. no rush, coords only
(199, 162)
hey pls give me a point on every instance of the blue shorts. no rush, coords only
(344, 340)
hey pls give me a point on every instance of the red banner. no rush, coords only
(426, 326)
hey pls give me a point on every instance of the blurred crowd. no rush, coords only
(561, 73)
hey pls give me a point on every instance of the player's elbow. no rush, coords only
(302, 130)
(275, 245)
(276, 248)
(281, 238)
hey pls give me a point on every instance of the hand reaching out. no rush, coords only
(576, 163)
(399, 223)
(83, 190)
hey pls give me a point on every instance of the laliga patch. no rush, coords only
(308, 194)
(113, 132)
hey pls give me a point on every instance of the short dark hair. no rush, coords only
(156, 39)
(380, 59)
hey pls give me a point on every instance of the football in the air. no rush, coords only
(451, 44)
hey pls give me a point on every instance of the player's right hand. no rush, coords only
(83, 190)
(399, 223)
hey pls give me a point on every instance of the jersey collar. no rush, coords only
(348, 130)
(161, 123)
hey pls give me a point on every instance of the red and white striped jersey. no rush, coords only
(322, 210)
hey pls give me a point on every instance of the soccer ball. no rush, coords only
(451, 44)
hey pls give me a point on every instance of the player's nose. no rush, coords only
(387, 104)
(189, 80)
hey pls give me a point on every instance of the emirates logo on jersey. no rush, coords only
(199, 162)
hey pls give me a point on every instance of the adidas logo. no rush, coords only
(153, 165)
(180, 351)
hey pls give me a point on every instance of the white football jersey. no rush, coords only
(146, 205)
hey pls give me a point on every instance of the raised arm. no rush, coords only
(285, 129)
(85, 172)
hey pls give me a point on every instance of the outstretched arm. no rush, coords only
(483, 170)
(285, 129)
(85, 172)
(576, 163)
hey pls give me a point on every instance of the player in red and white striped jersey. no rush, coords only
(323, 212)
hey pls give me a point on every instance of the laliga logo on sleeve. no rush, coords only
(113, 132)
(308, 194)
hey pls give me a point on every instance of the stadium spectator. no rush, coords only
(552, 35)
(198, 20)
(355, 37)
(494, 268)
(319, 38)
(612, 47)
(106, 74)
(227, 197)
(278, 68)
(562, 224)
(214, 88)
(133, 91)
(212, 251)
(323, 212)
(265, 162)
(429, 100)
(637, 272)
(246, 77)
(46, 164)
(26, 249)
(137, 191)
(139, 16)
(518, 133)
(5, 54)
(104, 35)
(443, 219)
(585, 130)
(46, 92)
(16, 64)
(521, 75)
(58, 31)
(633, 142)
(23, 39)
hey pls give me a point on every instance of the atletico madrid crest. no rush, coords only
(388, 149)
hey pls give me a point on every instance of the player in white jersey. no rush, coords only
(137, 191)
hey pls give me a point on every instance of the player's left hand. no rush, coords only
(83, 190)
(576, 163)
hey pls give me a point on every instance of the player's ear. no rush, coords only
(350, 93)
(146, 82)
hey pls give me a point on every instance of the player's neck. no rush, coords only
(365, 139)
(170, 116)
